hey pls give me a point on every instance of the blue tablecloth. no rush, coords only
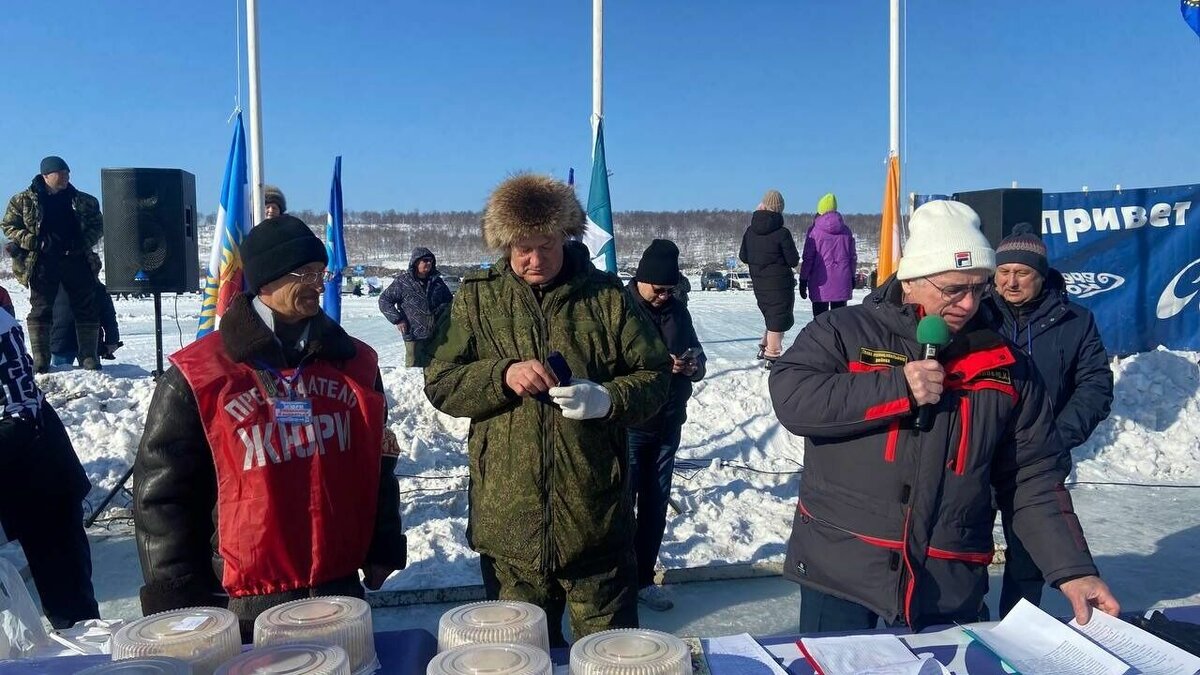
(407, 652)
(402, 652)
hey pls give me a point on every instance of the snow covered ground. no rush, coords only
(736, 476)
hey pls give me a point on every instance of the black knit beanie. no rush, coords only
(1024, 247)
(659, 264)
(277, 246)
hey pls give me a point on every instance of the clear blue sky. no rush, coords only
(708, 102)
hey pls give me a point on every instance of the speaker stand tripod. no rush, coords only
(158, 348)
(157, 372)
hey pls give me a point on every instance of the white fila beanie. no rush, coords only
(944, 236)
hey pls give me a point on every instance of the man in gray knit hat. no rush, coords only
(1063, 341)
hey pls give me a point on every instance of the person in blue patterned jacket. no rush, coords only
(413, 303)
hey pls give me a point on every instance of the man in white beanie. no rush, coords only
(895, 523)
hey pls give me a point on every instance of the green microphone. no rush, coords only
(932, 335)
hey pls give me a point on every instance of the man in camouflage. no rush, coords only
(550, 509)
(53, 228)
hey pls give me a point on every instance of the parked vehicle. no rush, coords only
(739, 281)
(713, 281)
(624, 276)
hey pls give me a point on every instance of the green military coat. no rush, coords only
(547, 492)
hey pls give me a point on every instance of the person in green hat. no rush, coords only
(829, 260)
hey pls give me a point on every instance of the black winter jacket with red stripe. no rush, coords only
(901, 521)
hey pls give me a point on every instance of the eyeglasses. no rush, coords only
(662, 291)
(956, 292)
(312, 278)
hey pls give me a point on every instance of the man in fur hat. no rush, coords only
(550, 508)
(274, 203)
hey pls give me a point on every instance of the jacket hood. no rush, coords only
(831, 222)
(1055, 283)
(38, 185)
(765, 222)
(632, 289)
(418, 253)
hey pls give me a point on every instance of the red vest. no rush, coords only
(295, 503)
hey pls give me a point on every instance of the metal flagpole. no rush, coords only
(256, 160)
(894, 88)
(597, 65)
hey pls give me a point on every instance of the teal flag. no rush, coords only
(598, 234)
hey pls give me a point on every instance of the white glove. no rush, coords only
(582, 399)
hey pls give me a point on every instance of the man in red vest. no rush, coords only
(263, 469)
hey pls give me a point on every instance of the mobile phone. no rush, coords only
(558, 365)
(691, 354)
(562, 373)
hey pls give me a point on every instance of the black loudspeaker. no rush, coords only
(150, 231)
(999, 210)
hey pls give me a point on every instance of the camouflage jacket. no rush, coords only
(23, 222)
(547, 492)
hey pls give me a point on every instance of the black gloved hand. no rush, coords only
(107, 351)
(804, 289)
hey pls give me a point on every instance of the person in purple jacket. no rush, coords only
(829, 259)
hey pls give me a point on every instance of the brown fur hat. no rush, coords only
(274, 194)
(529, 205)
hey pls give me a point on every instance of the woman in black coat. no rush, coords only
(770, 251)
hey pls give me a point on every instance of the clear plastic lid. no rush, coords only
(332, 620)
(491, 659)
(205, 637)
(494, 622)
(291, 659)
(150, 665)
(631, 652)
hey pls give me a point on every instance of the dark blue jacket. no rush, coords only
(1064, 342)
(415, 300)
(62, 331)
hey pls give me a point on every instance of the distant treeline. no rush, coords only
(706, 238)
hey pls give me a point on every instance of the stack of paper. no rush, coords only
(1032, 641)
(740, 655)
(866, 655)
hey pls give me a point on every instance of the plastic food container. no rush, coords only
(491, 659)
(332, 620)
(631, 652)
(151, 665)
(494, 622)
(292, 659)
(205, 637)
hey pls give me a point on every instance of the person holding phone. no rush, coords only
(550, 512)
(653, 443)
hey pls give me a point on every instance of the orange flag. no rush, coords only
(889, 226)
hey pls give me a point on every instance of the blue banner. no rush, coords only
(1133, 258)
